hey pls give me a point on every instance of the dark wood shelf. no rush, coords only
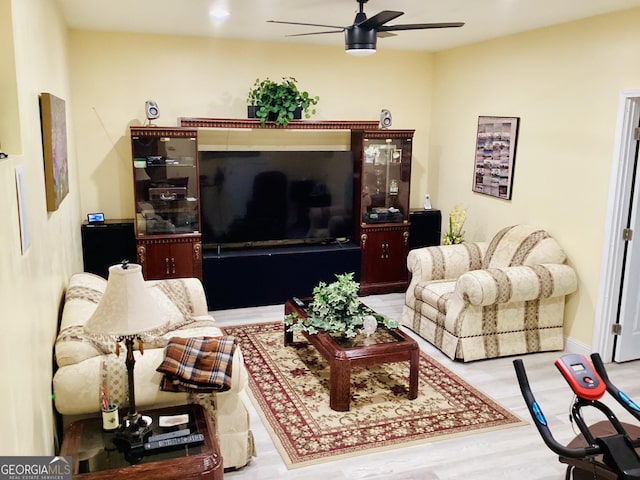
(293, 124)
(157, 131)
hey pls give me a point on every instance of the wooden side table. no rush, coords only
(95, 456)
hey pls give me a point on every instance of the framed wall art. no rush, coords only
(54, 143)
(495, 156)
(23, 208)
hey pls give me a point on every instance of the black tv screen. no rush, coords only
(262, 198)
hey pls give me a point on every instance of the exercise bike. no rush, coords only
(604, 450)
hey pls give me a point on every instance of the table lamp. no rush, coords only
(127, 313)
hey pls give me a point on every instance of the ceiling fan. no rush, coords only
(360, 38)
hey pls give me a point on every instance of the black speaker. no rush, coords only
(152, 109)
(385, 118)
(425, 228)
(107, 244)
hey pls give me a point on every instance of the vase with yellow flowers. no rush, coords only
(455, 234)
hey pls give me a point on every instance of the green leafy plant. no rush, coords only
(336, 309)
(279, 100)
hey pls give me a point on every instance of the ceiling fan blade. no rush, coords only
(306, 24)
(379, 19)
(380, 34)
(419, 26)
(314, 33)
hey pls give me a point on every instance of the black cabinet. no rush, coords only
(107, 244)
(268, 276)
(425, 229)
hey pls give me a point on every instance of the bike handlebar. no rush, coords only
(541, 422)
(629, 405)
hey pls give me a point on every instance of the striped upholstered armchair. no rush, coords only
(490, 299)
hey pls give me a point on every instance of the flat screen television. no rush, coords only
(269, 198)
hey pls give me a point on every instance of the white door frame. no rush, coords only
(616, 218)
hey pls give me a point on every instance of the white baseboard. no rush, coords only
(573, 346)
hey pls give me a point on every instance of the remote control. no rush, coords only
(298, 302)
(175, 442)
(164, 436)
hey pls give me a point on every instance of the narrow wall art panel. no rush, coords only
(23, 208)
(54, 144)
(495, 156)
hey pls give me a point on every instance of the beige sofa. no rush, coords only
(490, 299)
(84, 365)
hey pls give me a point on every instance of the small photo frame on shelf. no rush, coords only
(396, 155)
(495, 155)
(96, 218)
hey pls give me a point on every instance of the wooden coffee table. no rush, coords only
(95, 456)
(384, 346)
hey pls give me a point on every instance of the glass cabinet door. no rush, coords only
(166, 183)
(385, 180)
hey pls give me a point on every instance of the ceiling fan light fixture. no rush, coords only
(360, 37)
(360, 51)
(360, 42)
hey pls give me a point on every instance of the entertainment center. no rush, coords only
(280, 209)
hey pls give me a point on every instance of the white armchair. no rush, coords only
(490, 299)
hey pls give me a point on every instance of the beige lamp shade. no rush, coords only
(126, 308)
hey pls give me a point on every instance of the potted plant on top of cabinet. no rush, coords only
(279, 102)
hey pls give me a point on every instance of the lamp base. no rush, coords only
(133, 432)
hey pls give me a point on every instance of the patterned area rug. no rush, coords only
(290, 390)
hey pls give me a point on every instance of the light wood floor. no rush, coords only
(514, 453)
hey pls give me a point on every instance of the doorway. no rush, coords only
(619, 282)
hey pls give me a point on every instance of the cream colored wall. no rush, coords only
(113, 74)
(9, 129)
(32, 284)
(563, 82)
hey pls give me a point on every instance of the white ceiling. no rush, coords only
(484, 19)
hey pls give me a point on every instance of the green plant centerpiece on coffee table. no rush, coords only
(278, 101)
(337, 310)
